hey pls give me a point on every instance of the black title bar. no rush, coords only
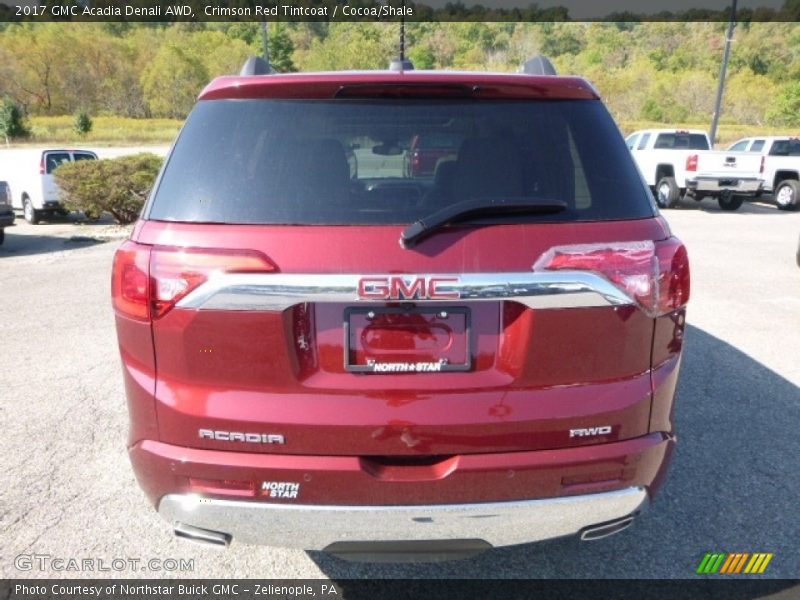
(390, 589)
(395, 10)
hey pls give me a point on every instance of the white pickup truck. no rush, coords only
(34, 188)
(780, 166)
(675, 163)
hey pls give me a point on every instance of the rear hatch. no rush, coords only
(284, 304)
(729, 167)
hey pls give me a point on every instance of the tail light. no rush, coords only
(41, 166)
(674, 281)
(130, 287)
(654, 275)
(174, 272)
(691, 162)
(147, 281)
(222, 487)
(761, 168)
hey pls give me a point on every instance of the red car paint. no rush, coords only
(501, 429)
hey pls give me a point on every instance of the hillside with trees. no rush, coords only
(663, 72)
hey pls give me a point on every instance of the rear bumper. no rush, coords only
(501, 498)
(319, 527)
(736, 185)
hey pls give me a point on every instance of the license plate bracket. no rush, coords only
(407, 339)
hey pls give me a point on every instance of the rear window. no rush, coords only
(739, 146)
(681, 141)
(785, 148)
(347, 161)
(53, 160)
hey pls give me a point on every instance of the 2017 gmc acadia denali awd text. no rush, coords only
(326, 350)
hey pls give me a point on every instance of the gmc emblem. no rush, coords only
(405, 288)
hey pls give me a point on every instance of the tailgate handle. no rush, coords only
(408, 468)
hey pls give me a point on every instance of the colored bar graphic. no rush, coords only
(718, 564)
(732, 563)
(704, 563)
(732, 560)
(741, 562)
(765, 563)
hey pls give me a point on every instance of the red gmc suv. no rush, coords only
(354, 359)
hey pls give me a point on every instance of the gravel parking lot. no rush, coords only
(66, 489)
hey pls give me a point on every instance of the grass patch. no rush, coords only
(106, 131)
(116, 131)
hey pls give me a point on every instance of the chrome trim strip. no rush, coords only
(313, 527)
(279, 291)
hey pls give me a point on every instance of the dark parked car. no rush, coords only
(6, 212)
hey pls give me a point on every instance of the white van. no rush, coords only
(35, 191)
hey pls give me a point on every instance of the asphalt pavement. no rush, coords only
(67, 490)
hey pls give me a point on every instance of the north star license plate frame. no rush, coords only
(411, 367)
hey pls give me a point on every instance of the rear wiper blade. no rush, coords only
(476, 208)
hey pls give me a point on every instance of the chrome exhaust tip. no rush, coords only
(603, 530)
(206, 537)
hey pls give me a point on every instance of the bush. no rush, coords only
(12, 123)
(82, 124)
(118, 186)
(785, 107)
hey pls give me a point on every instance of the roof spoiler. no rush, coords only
(255, 65)
(538, 65)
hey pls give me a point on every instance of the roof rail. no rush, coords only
(538, 65)
(255, 65)
(401, 64)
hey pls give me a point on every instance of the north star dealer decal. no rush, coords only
(280, 489)
(406, 367)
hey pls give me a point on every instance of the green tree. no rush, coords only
(785, 109)
(172, 81)
(652, 110)
(281, 48)
(422, 57)
(218, 54)
(12, 121)
(350, 46)
(82, 124)
(562, 38)
(35, 50)
(748, 97)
